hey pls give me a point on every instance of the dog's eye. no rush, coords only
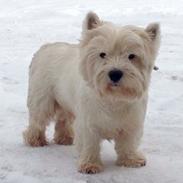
(102, 55)
(131, 56)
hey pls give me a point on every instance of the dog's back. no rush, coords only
(50, 53)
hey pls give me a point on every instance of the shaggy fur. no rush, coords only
(70, 84)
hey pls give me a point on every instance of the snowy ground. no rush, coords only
(24, 26)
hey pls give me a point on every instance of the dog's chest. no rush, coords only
(111, 122)
(111, 134)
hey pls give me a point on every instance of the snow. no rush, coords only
(25, 26)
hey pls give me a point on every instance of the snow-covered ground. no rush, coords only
(25, 26)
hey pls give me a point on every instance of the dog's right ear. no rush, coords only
(91, 21)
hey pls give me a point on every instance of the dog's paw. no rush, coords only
(90, 168)
(38, 143)
(64, 140)
(133, 161)
(34, 141)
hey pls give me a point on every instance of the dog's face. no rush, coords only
(117, 61)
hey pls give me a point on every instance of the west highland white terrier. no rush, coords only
(94, 90)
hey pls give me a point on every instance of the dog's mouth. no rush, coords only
(113, 85)
(118, 90)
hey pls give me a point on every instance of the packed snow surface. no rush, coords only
(25, 26)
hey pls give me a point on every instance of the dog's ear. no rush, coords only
(153, 31)
(91, 21)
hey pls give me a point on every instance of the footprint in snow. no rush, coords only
(7, 80)
(175, 78)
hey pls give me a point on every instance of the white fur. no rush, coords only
(70, 83)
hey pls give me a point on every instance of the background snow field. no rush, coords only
(25, 26)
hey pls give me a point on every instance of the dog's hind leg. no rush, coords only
(63, 128)
(34, 135)
(41, 110)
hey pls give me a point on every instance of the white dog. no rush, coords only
(100, 86)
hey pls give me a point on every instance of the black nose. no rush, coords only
(115, 75)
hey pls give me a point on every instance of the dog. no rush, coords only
(94, 90)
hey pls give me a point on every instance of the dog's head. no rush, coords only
(117, 61)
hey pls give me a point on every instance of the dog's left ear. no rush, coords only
(153, 31)
(91, 21)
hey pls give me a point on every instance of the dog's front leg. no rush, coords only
(88, 146)
(126, 145)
